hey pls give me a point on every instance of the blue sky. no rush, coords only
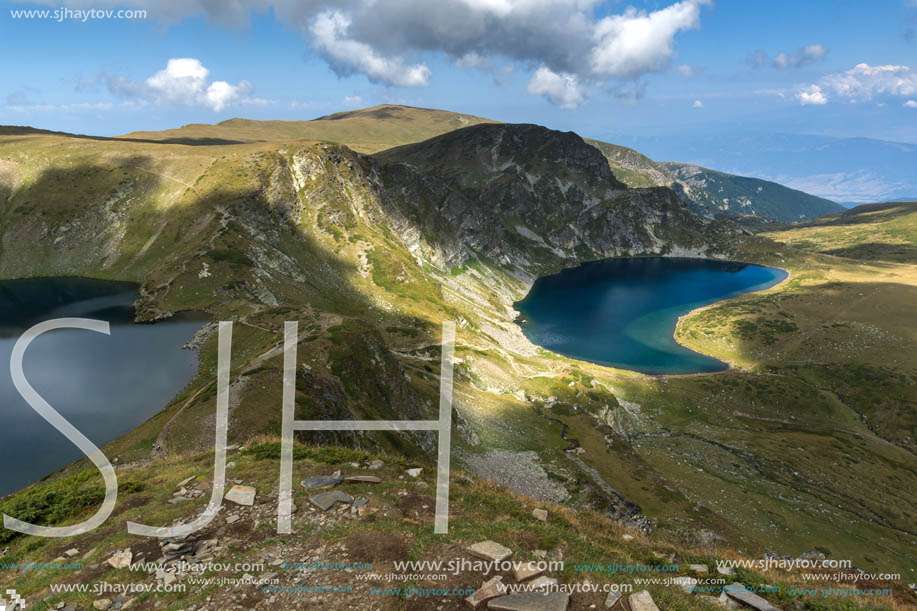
(645, 71)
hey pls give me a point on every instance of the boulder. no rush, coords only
(540, 514)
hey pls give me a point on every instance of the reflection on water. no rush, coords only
(105, 385)
(623, 312)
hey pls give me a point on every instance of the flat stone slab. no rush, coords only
(360, 502)
(526, 570)
(241, 495)
(121, 559)
(725, 570)
(321, 481)
(699, 568)
(327, 500)
(642, 601)
(685, 583)
(490, 550)
(363, 479)
(531, 601)
(612, 599)
(376, 465)
(488, 590)
(540, 514)
(540, 583)
(743, 595)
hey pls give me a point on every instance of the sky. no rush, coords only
(642, 72)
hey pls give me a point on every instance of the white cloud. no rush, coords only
(697, 104)
(637, 42)
(349, 55)
(686, 70)
(812, 94)
(863, 82)
(801, 57)
(387, 40)
(353, 100)
(184, 81)
(561, 89)
(911, 103)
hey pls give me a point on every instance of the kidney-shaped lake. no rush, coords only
(623, 312)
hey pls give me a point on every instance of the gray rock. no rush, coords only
(527, 570)
(327, 500)
(376, 465)
(642, 601)
(102, 604)
(321, 481)
(543, 582)
(726, 570)
(360, 502)
(685, 583)
(488, 590)
(540, 514)
(740, 593)
(490, 550)
(362, 479)
(241, 495)
(121, 559)
(414, 472)
(612, 599)
(698, 568)
(531, 601)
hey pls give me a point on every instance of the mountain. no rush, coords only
(372, 130)
(367, 130)
(371, 253)
(718, 191)
(848, 170)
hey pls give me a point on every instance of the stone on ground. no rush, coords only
(376, 465)
(488, 590)
(526, 570)
(543, 582)
(122, 559)
(102, 604)
(362, 479)
(241, 495)
(321, 481)
(414, 472)
(327, 500)
(540, 514)
(531, 601)
(70, 553)
(740, 593)
(642, 601)
(685, 583)
(490, 550)
(726, 570)
(612, 599)
(698, 568)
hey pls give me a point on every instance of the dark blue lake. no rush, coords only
(623, 312)
(105, 385)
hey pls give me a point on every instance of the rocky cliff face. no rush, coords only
(527, 197)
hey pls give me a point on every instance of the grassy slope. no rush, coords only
(366, 131)
(176, 192)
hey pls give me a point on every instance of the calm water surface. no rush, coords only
(105, 385)
(623, 312)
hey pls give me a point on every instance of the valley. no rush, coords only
(370, 235)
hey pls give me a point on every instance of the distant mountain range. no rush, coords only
(851, 171)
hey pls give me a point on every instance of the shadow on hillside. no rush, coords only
(230, 252)
(877, 251)
(15, 130)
